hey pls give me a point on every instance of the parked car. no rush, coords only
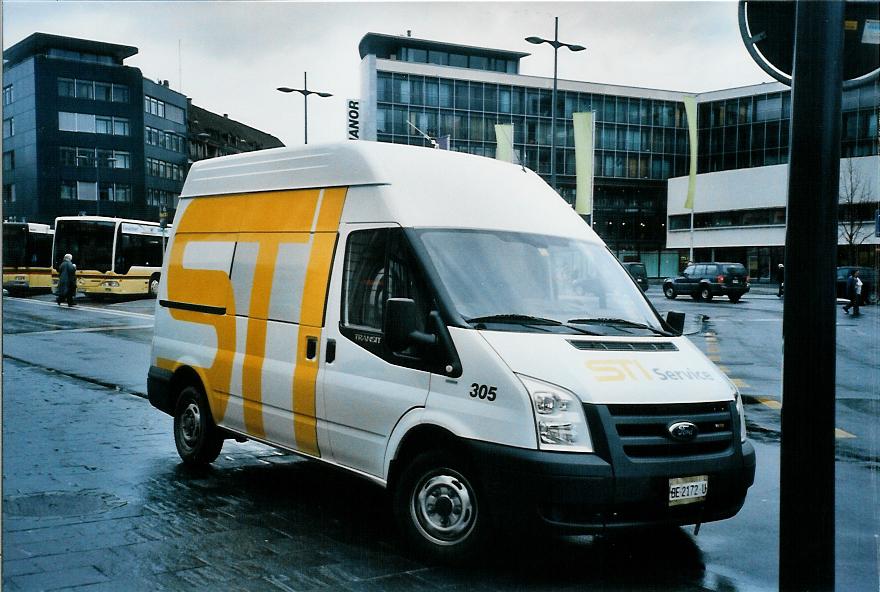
(869, 283)
(639, 274)
(703, 281)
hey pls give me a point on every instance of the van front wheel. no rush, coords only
(195, 435)
(439, 508)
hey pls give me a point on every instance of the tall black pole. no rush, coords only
(806, 533)
(306, 103)
(553, 109)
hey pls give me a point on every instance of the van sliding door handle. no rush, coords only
(311, 348)
(331, 350)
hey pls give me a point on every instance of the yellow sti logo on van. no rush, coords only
(617, 370)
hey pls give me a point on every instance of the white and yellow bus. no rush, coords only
(27, 257)
(113, 256)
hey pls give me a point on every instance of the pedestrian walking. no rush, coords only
(780, 277)
(66, 281)
(854, 293)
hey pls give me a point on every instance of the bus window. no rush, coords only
(90, 242)
(41, 249)
(137, 250)
(15, 245)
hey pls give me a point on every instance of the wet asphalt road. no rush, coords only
(94, 496)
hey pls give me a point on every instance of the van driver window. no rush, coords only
(379, 266)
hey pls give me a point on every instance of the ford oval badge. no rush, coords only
(683, 431)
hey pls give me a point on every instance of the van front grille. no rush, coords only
(644, 429)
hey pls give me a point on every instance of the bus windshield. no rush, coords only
(15, 245)
(527, 282)
(89, 241)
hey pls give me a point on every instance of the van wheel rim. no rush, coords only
(191, 425)
(443, 507)
(154, 287)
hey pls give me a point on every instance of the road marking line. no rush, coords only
(839, 433)
(714, 358)
(82, 330)
(740, 383)
(712, 348)
(121, 313)
(771, 403)
(724, 369)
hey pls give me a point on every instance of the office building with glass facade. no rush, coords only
(742, 185)
(415, 90)
(412, 88)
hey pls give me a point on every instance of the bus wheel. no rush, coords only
(195, 435)
(154, 285)
(439, 509)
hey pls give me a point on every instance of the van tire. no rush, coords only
(706, 293)
(734, 298)
(669, 291)
(197, 439)
(436, 486)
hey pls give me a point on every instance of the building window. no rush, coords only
(8, 94)
(104, 125)
(68, 189)
(93, 124)
(67, 156)
(120, 94)
(122, 192)
(66, 87)
(103, 91)
(8, 160)
(8, 193)
(8, 127)
(85, 89)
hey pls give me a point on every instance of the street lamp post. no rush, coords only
(305, 92)
(97, 179)
(556, 43)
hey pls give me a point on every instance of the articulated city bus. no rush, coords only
(27, 257)
(113, 256)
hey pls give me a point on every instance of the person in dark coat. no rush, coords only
(780, 277)
(853, 292)
(66, 281)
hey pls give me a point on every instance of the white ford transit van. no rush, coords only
(446, 326)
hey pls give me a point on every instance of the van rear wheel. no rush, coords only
(669, 292)
(706, 294)
(439, 508)
(195, 435)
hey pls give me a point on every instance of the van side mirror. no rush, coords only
(675, 320)
(400, 325)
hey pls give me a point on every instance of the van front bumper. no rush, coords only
(584, 493)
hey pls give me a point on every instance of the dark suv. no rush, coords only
(869, 283)
(639, 274)
(703, 281)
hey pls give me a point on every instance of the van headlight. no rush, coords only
(742, 417)
(560, 422)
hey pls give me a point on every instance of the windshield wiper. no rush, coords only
(613, 321)
(514, 318)
(520, 319)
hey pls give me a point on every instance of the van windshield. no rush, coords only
(528, 282)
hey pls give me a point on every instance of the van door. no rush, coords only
(366, 388)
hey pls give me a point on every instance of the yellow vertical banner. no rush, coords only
(504, 142)
(690, 108)
(583, 160)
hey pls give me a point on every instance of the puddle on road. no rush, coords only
(61, 504)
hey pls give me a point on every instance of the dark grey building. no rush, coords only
(83, 133)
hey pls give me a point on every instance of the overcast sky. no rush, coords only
(234, 54)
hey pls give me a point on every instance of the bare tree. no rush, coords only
(857, 205)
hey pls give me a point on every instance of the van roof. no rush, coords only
(344, 164)
(420, 186)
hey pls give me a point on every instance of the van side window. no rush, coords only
(365, 282)
(379, 265)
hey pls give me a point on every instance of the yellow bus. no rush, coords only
(27, 257)
(113, 256)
